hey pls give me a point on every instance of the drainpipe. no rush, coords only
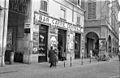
(3, 35)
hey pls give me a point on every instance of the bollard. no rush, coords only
(119, 57)
(98, 58)
(82, 56)
(119, 63)
(119, 67)
(82, 61)
(70, 61)
(90, 59)
(64, 63)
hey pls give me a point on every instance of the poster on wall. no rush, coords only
(9, 40)
(102, 46)
(70, 42)
(35, 42)
(53, 36)
(53, 40)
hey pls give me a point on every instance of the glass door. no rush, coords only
(61, 42)
(43, 37)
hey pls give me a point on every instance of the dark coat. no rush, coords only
(52, 56)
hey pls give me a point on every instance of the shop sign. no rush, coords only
(53, 40)
(70, 41)
(27, 25)
(35, 42)
(9, 39)
(55, 22)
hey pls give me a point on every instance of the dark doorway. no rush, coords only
(89, 46)
(11, 44)
(61, 42)
(109, 46)
(92, 43)
(43, 43)
(16, 19)
(77, 45)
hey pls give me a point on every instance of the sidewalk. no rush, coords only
(44, 67)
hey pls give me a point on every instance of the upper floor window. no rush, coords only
(76, 2)
(19, 6)
(78, 20)
(82, 4)
(63, 13)
(79, 2)
(44, 5)
(91, 10)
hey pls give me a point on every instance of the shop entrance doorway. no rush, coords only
(109, 46)
(43, 43)
(11, 44)
(77, 45)
(15, 31)
(61, 43)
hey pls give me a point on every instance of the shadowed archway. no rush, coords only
(92, 43)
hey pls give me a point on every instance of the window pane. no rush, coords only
(78, 20)
(62, 13)
(92, 10)
(44, 5)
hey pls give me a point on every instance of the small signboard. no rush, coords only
(27, 25)
(102, 46)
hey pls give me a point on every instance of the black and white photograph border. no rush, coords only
(59, 39)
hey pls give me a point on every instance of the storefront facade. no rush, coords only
(61, 29)
(58, 34)
(30, 31)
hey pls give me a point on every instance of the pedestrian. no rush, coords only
(62, 54)
(52, 57)
(91, 54)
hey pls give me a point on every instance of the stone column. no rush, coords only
(3, 29)
(70, 44)
(27, 36)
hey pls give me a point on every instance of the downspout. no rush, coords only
(3, 35)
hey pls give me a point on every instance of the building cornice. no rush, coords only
(68, 7)
(77, 6)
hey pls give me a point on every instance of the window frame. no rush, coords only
(78, 23)
(43, 8)
(64, 10)
(91, 10)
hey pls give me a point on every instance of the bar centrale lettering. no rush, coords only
(55, 22)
